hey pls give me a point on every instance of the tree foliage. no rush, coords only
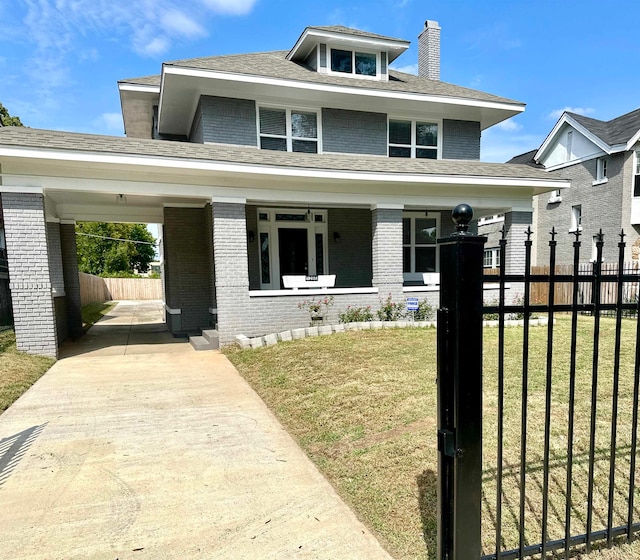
(99, 255)
(6, 119)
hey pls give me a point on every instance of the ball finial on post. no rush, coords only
(461, 216)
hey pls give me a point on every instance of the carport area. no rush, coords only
(159, 454)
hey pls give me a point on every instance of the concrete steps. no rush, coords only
(208, 340)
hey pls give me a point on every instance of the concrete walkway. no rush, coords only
(155, 451)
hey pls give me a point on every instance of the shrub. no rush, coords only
(425, 311)
(356, 314)
(318, 310)
(389, 310)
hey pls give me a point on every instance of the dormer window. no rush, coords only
(350, 62)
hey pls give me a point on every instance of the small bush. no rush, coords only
(425, 311)
(356, 314)
(389, 310)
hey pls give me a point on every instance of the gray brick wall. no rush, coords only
(354, 132)
(387, 252)
(232, 269)
(30, 281)
(187, 271)
(350, 258)
(55, 257)
(71, 279)
(225, 120)
(460, 139)
(602, 207)
(516, 225)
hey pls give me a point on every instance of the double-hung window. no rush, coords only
(419, 249)
(576, 217)
(491, 258)
(601, 170)
(413, 139)
(288, 130)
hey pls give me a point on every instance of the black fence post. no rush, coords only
(460, 391)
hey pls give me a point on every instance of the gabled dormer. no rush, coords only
(340, 51)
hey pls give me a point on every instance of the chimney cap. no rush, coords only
(431, 24)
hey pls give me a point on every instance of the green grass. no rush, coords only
(363, 406)
(18, 371)
(93, 312)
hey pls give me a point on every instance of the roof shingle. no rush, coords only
(616, 131)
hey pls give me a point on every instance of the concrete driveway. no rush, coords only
(156, 454)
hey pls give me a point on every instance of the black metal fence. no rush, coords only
(553, 468)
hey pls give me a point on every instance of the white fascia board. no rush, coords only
(567, 119)
(20, 190)
(293, 172)
(139, 88)
(632, 142)
(330, 88)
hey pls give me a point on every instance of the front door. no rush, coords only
(293, 252)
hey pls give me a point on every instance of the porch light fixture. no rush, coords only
(251, 236)
(336, 237)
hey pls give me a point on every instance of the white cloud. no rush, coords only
(509, 126)
(109, 122)
(174, 21)
(557, 113)
(231, 7)
(409, 69)
(500, 145)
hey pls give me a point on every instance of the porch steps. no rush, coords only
(208, 340)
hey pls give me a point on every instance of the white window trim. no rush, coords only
(417, 276)
(495, 257)
(602, 165)
(271, 227)
(289, 137)
(486, 220)
(576, 225)
(353, 49)
(636, 172)
(413, 145)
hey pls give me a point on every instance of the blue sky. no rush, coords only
(60, 59)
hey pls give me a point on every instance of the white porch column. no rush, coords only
(29, 275)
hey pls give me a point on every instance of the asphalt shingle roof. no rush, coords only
(616, 131)
(526, 159)
(275, 65)
(74, 142)
(356, 32)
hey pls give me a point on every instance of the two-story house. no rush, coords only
(316, 161)
(602, 161)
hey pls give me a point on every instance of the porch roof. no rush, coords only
(21, 142)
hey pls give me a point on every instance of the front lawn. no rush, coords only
(18, 371)
(363, 406)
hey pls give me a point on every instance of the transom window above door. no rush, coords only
(413, 139)
(288, 130)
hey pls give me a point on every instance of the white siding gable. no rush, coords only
(570, 146)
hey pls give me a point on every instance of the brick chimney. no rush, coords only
(429, 51)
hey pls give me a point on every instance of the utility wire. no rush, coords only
(117, 239)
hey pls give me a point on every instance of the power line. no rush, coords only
(117, 239)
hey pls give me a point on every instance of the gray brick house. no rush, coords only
(316, 161)
(601, 159)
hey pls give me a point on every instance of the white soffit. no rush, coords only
(182, 88)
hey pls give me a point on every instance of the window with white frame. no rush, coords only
(346, 61)
(413, 139)
(601, 170)
(419, 249)
(576, 217)
(491, 258)
(594, 248)
(288, 130)
(291, 241)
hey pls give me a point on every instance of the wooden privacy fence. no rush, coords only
(564, 290)
(96, 289)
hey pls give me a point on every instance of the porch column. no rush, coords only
(387, 250)
(231, 267)
(71, 278)
(29, 276)
(516, 224)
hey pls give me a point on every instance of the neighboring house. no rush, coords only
(317, 161)
(601, 159)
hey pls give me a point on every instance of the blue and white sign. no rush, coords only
(412, 304)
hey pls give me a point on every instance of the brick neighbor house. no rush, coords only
(264, 169)
(602, 161)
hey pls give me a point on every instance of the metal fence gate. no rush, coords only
(537, 424)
